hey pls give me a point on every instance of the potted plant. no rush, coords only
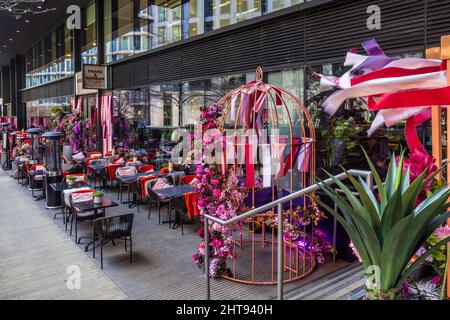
(70, 180)
(98, 196)
(388, 230)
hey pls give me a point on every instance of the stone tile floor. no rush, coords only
(36, 251)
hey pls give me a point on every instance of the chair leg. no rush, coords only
(125, 244)
(76, 230)
(71, 224)
(159, 212)
(181, 223)
(131, 249)
(149, 210)
(93, 246)
(101, 255)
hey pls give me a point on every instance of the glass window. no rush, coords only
(167, 22)
(274, 5)
(39, 112)
(292, 81)
(130, 119)
(49, 59)
(216, 88)
(127, 28)
(193, 21)
(221, 13)
(89, 36)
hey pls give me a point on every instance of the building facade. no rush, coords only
(168, 58)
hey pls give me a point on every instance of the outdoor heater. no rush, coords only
(53, 171)
(6, 147)
(36, 147)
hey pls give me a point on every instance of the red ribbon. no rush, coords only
(392, 72)
(410, 129)
(249, 167)
(411, 99)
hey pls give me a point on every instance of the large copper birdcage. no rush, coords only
(283, 129)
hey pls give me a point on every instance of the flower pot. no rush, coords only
(67, 153)
(98, 199)
(70, 183)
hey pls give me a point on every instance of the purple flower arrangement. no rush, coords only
(76, 132)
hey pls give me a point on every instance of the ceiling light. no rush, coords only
(10, 39)
(18, 31)
(27, 21)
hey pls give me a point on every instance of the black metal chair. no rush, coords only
(121, 184)
(155, 198)
(113, 228)
(94, 175)
(175, 178)
(78, 216)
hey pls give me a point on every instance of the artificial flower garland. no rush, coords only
(222, 196)
(218, 195)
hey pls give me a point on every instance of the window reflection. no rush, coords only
(39, 111)
(89, 36)
(221, 13)
(127, 28)
(50, 59)
(274, 5)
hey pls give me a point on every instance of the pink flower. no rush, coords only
(195, 257)
(200, 203)
(216, 243)
(442, 232)
(355, 252)
(437, 280)
(418, 161)
(215, 182)
(201, 232)
(201, 248)
(217, 193)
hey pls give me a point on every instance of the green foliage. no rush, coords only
(389, 231)
(98, 194)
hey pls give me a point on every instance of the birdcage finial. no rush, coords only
(259, 73)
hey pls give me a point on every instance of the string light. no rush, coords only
(17, 8)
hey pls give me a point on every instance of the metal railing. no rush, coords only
(265, 208)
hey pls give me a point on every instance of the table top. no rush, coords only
(35, 172)
(134, 177)
(175, 191)
(98, 166)
(61, 186)
(90, 205)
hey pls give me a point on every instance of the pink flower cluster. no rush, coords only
(219, 196)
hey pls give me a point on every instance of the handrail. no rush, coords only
(279, 204)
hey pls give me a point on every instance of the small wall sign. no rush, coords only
(95, 76)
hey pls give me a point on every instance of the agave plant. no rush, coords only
(389, 229)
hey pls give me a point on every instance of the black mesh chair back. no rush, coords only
(114, 227)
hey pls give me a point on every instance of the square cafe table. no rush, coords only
(172, 193)
(87, 206)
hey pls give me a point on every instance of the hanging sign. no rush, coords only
(95, 76)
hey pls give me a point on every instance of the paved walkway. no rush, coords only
(35, 254)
